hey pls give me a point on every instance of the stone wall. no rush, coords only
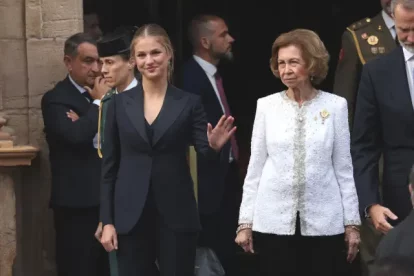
(31, 45)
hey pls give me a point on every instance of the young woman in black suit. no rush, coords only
(148, 206)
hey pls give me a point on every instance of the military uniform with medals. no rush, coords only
(111, 46)
(362, 41)
(117, 43)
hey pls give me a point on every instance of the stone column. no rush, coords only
(48, 24)
(10, 157)
(31, 42)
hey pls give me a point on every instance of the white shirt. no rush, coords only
(96, 102)
(83, 90)
(302, 163)
(133, 83)
(409, 66)
(389, 22)
(210, 70)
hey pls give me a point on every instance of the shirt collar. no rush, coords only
(389, 22)
(407, 54)
(209, 68)
(81, 89)
(133, 83)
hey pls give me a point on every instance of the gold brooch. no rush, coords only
(324, 114)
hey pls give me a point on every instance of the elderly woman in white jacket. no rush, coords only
(300, 207)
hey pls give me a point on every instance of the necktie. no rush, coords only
(223, 99)
(396, 36)
(87, 96)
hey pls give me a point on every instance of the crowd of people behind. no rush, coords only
(317, 194)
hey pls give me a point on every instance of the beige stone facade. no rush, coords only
(31, 47)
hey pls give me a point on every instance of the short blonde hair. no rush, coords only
(313, 51)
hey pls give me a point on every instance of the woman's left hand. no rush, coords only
(218, 136)
(352, 240)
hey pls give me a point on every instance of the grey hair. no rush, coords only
(199, 27)
(73, 42)
(407, 4)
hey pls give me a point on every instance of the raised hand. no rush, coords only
(219, 135)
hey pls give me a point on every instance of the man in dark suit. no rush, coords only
(219, 188)
(384, 124)
(75, 165)
(400, 240)
(363, 41)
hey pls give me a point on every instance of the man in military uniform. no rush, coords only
(118, 69)
(362, 42)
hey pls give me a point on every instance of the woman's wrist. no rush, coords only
(244, 226)
(354, 227)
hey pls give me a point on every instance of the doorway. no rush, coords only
(254, 25)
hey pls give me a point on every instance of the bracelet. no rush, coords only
(244, 226)
(353, 227)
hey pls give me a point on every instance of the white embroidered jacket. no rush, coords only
(300, 162)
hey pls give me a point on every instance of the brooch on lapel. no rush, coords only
(324, 114)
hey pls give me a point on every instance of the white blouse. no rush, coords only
(300, 162)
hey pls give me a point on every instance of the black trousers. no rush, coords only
(219, 228)
(78, 253)
(152, 240)
(298, 255)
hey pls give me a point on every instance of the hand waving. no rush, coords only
(219, 135)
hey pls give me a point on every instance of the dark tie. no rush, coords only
(87, 96)
(396, 37)
(223, 99)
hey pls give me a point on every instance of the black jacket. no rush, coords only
(75, 164)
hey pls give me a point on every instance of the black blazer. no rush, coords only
(131, 164)
(75, 165)
(384, 123)
(211, 179)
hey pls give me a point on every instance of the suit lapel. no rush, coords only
(400, 76)
(211, 96)
(173, 105)
(134, 107)
(73, 96)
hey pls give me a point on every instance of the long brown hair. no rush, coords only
(156, 30)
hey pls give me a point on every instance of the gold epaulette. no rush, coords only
(354, 27)
(106, 96)
(192, 160)
(99, 130)
(360, 24)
